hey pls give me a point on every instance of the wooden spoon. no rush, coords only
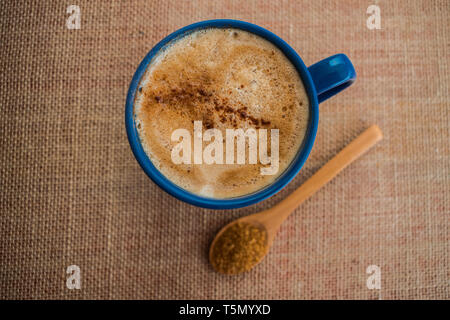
(270, 220)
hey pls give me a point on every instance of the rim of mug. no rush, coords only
(236, 202)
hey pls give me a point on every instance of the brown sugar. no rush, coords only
(239, 248)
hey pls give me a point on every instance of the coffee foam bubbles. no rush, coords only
(228, 79)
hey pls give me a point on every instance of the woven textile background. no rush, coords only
(72, 192)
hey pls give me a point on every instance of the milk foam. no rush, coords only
(228, 79)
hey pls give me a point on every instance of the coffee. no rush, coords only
(227, 79)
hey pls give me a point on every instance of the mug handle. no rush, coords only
(332, 75)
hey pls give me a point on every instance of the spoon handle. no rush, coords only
(351, 152)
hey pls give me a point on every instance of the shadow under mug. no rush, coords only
(322, 80)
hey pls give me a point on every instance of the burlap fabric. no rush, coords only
(72, 192)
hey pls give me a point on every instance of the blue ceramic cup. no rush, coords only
(321, 80)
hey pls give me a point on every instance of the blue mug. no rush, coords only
(321, 80)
